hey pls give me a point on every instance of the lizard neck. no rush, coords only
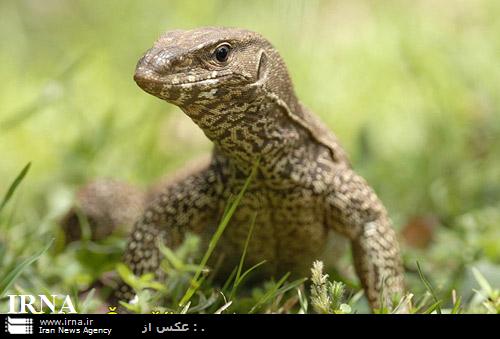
(253, 121)
(257, 129)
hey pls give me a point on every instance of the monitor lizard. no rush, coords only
(235, 86)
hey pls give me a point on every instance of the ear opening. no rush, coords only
(263, 65)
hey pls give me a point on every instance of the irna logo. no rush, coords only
(27, 303)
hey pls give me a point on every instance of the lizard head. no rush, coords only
(209, 66)
(205, 66)
(221, 78)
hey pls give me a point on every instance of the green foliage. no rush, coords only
(327, 297)
(10, 276)
(437, 302)
(13, 186)
(410, 88)
(488, 297)
(10, 271)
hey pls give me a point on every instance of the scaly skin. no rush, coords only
(304, 188)
(111, 206)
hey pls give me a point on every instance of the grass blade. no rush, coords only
(229, 279)
(279, 289)
(481, 280)
(12, 275)
(437, 302)
(215, 238)
(247, 272)
(457, 307)
(242, 259)
(270, 293)
(434, 307)
(14, 186)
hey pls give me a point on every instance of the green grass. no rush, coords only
(410, 88)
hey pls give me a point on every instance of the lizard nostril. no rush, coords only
(158, 61)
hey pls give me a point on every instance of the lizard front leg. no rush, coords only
(355, 211)
(185, 205)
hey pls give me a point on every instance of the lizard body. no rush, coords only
(235, 86)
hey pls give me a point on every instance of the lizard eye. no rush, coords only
(221, 53)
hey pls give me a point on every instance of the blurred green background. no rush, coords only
(411, 88)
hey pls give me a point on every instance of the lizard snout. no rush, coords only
(149, 71)
(140, 79)
(148, 80)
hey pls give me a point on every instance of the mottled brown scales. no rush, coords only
(108, 206)
(234, 85)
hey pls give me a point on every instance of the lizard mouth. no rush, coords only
(199, 80)
(148, 80)
(183, 79)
